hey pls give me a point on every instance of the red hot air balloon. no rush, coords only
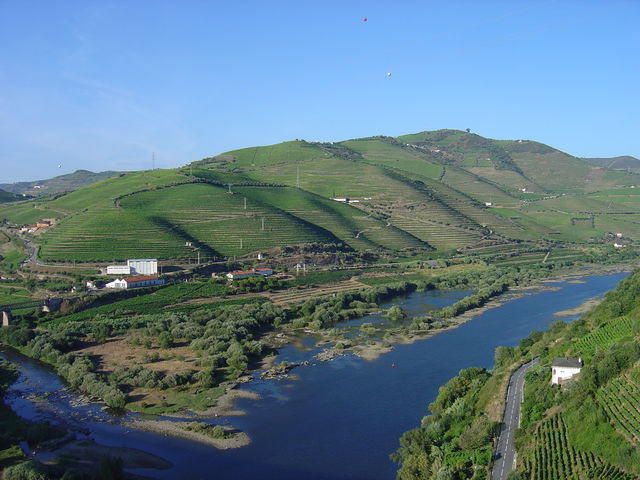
(364, 19)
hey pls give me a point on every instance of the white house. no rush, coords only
(563, 369)
(143, 266)
(117, 283)
(242, 274)
(118, 270)
(135, 282)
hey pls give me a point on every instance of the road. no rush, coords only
(505, 458)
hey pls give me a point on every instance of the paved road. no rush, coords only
(505, 458)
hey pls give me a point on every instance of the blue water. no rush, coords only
(342, 419)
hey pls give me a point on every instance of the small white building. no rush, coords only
(488, 204)
(135, 282)
(340, 199)
(563, 369)
(242, 274)
(618, 245)
(143, 266)
(118, 270)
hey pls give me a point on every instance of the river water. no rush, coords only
(340, 419)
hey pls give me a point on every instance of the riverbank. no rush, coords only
(170, 428)
(224, 407)
(87, 454)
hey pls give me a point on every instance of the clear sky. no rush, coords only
(102, 84)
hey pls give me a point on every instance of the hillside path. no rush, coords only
(505, 457)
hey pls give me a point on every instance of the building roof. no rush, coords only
(567, 362)
(141, 278)
(243, 272)
(142, 260)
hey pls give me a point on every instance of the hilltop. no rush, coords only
(616, 163)
(442, 192)
(61, 183)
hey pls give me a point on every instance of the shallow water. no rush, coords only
(340, 419)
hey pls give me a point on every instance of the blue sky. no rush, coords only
(102, 84)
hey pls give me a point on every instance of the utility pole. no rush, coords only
(298, 177)
(245, 203)
(230, 189)
(241, 244)
(198, 257)
(263, 224)
(153, 161)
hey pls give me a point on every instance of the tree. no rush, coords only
(165, 340)
(396, 314)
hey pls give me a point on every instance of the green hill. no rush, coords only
(616, 163)
(445, 190)
(6, 197)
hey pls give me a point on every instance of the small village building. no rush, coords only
(565, 368)
(618, 245)
(238, 274)
(265, 272)
(488, 204)
(135, 282)
(340, 199)
(118, 270)
(6, 318)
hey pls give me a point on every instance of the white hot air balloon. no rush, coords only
(388, 74)
(59, 165)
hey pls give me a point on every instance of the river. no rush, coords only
(340, 419)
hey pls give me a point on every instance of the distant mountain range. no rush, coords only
(624, 162)
(62, 183)
(9, 197)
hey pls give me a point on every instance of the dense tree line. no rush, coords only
(455, 440)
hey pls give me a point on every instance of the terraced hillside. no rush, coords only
(554, 457)
(445, 190)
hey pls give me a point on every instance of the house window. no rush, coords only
(554, 371)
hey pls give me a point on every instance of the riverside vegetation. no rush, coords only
(586, 429)
(155, 349)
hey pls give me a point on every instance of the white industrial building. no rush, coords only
(135, 266)
(143, 266)
(563, 369)
(118, 270)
